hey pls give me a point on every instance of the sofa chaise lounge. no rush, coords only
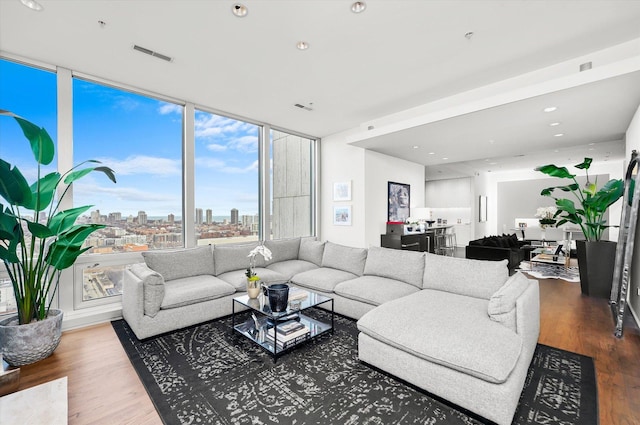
(461, 329)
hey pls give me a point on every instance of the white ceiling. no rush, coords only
(395, 56)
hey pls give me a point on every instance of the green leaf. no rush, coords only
(64, 220)
(38, 230)
(13, 186)
(9, 225)
(64, 251)
(43, 195)
(78, 174)
(585, 164)
(42, 146)
(554, 171)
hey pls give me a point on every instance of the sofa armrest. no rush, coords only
(143, 292)
(514, 294)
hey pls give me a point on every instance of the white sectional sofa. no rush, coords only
(461, 329)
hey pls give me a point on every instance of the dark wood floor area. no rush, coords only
(104, 388)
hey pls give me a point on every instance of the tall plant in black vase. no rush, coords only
(596, 258)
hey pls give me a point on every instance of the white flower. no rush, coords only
(546, 212)
(262, 250)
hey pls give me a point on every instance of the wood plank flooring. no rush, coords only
(104, 388)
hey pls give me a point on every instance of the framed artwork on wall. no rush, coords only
(342, 215)
(398, 196)
(482, 216)
(342, 191)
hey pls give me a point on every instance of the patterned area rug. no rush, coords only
(207, 375)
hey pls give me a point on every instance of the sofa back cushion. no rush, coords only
(235, 257)
(311, 250)
(181, 263)
(344, 258)
(405, 266)
(283, 249)
(474, 278)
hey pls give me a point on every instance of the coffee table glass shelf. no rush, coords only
(267, 320)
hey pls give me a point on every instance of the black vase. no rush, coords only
(596, 260)
(278, 295)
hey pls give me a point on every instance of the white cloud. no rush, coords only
(142, 164)
(121, 193)
(170, 108)
(219, 165)
(214, 147)
(246, 144)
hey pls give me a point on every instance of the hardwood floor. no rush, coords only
(104, 388)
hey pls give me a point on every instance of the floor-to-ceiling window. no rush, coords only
(140, 138)
(144, 138)
(226, 179)
(30, 93)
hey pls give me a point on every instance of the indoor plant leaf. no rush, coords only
(13, 186)
(43, 192)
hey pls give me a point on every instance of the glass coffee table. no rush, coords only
(280, 332)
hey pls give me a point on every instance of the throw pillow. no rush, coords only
(503, 302)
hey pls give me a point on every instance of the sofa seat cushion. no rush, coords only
(323, 279)
(238, 278)
(452, 330)
(374, 290)
(181, 263)
(291, 267)
(192, 290)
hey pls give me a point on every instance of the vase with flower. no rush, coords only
(253, 280)
(546, 219)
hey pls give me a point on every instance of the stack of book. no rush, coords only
(289, 333)
(297, 294)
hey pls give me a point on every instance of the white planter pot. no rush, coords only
(26, 344)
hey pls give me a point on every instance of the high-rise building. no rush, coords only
(171, 218)
(209, 216)
(114, 217)
(199, 216)
(234, 216)
(142, 217)
(95, 216)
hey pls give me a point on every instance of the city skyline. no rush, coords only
(140, 138)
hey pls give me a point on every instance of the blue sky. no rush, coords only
(140, 138)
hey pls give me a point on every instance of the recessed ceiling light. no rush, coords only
(550, 109)
(302, 45)
(558, 135)
(416, 146)
(592, 143)
(468, 35)
(240, 10)
(445, 158)
(554, 124)
(32, 4)
(491, 142)
(358, 7)
(432, 153)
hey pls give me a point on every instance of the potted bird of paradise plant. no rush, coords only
(35, 250)
(596, 257)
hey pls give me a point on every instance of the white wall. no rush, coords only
(487, 184)
(368, 173)
(379, 170)
(633, 142)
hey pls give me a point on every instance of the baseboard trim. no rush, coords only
(90, 316)
(634, 315)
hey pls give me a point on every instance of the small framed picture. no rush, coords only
(342, 215)
(342, 191)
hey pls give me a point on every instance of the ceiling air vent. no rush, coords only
(152, 53)
(297, 105)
